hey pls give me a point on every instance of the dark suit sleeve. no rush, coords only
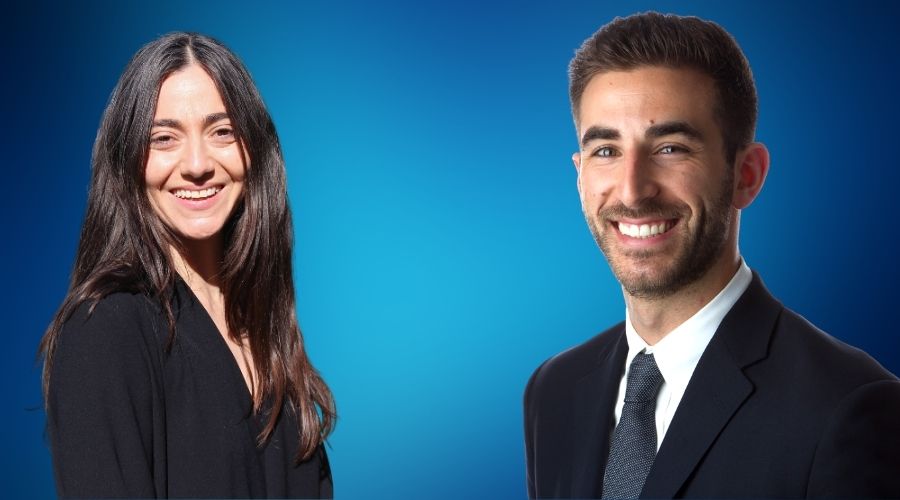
(530, 416)
(100, 405)
(859, 453)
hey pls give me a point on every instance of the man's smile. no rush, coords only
(645, 230)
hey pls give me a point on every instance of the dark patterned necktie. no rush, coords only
(633, 445)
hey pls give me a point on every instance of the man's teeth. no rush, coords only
(188, 194)
(644, 230)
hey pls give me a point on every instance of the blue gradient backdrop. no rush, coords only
(441, 252)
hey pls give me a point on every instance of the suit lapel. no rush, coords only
(716, 391)
(595, 400)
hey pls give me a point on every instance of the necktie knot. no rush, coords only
(644, 379)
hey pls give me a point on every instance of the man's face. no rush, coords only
(655, 185)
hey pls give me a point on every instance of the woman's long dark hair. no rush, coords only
(125, 247)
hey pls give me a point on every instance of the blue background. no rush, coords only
(441, 251)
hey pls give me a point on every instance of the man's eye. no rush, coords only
(605, 152)
(672, 149)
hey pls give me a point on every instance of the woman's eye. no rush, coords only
(161, 139)
(224, 133)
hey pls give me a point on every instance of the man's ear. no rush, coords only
(751, 168)
(576, 160)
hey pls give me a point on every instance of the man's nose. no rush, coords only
(637, 182)
(197, 161)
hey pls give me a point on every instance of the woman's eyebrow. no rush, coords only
(207, 121)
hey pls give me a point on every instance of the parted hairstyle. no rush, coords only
(124, 246)
(653, 39)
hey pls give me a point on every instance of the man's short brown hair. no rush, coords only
(653, 39)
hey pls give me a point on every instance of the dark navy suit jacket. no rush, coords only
(775, 408)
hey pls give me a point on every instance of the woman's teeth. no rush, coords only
(187, 194)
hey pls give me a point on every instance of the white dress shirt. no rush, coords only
(678, 352)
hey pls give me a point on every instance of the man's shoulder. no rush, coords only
(824, 356)
(575, 362)
(759, 327)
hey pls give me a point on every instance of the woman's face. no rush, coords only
(195, 169)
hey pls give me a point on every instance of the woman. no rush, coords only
(175, 365)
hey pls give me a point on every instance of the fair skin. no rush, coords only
(194, 177)
(658, 193)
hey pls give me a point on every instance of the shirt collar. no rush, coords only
(677, 353)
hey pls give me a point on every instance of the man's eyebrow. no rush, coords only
(599, 133)
(207, 121)
(672, 128)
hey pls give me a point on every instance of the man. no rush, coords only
(710, 387)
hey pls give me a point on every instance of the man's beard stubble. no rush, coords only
(694, 257)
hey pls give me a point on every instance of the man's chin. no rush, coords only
(652, 265)
(646, 274)
(648, 286)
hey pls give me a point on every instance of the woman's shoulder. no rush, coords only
(104, 399)
(118, 322)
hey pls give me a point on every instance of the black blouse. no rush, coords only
(128, 419)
